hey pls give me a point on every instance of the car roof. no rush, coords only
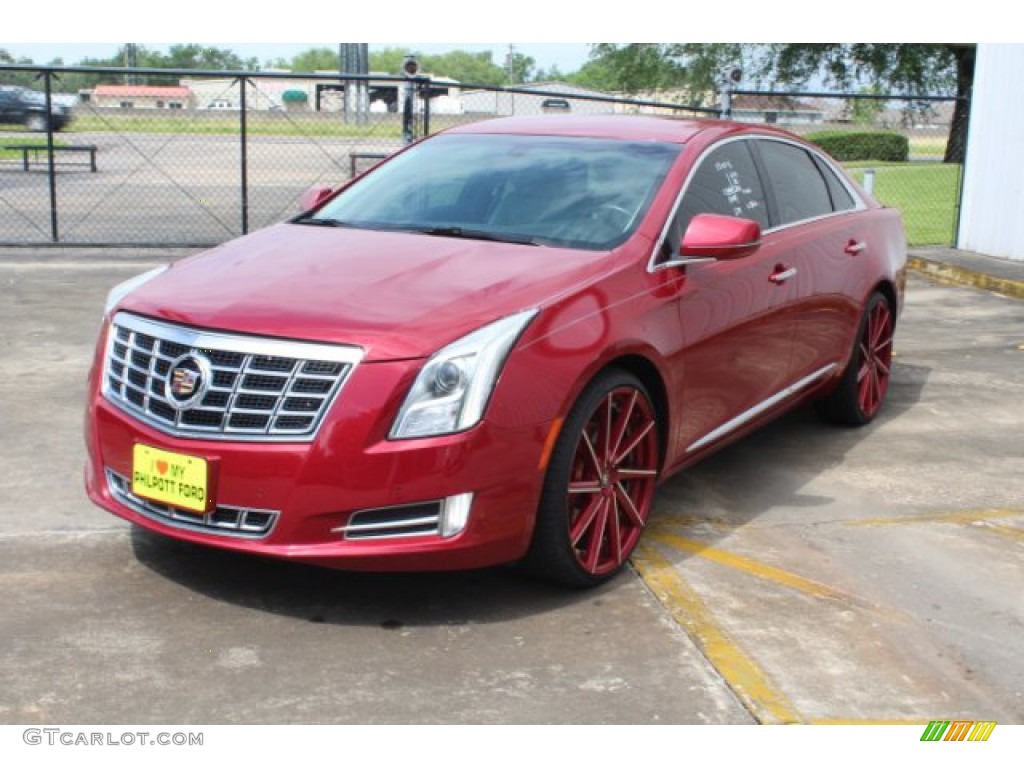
(629, 127)
(678, 130)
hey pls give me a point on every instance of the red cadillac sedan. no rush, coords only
(493, 347)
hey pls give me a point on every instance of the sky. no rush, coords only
(568, 57)
(561, 32)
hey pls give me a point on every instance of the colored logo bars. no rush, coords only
(958, 730)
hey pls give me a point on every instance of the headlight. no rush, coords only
(452, 390)
(121, 290)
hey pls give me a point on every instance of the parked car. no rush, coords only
(25, 107)
(493, 346)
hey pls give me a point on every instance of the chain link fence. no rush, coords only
(185, 158)
(907, 151)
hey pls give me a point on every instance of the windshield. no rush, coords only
(564, 191)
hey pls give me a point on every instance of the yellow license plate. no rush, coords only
(171, 478)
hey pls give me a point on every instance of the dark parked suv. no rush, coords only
(28, 108)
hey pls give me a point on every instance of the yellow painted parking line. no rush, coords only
(753, 567)
(961, 517)
(951, 274)
(1005, 530)
(689, 521)
(742, 674)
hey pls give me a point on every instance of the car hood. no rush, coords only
(397, 295)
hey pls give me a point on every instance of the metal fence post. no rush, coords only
(425, 95)
(869, 181)
(51, 165)
(727, 101)
(244, 137)
(408, 129)
(963, 172)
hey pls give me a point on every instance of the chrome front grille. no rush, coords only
(246, 387)
(231, 521)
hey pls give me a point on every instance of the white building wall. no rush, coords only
(503, 103)
(992, 217)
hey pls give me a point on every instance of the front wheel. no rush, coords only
(36, 123)
(599, 485)
(861, 391)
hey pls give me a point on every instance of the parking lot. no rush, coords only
(806, 574)
(173, 188)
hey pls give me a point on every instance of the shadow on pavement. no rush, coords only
(770, 467)
(322, 595)
(766, 469)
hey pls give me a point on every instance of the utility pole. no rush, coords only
(131, 61)
(354, 59)
(509, 60)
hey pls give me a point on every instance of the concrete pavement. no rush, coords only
(806, 574)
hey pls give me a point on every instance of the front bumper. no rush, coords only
(314, 489)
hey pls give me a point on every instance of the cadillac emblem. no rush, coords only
(187, 381)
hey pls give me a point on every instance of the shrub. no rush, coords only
(847, 146)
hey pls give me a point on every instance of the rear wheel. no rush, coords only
(599, 485)
(861, 392)
(36, 123)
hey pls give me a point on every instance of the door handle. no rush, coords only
(782, 274)
(853, 247)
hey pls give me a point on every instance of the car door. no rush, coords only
(736, 323)
(819, 234)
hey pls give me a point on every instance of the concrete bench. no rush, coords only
(36, 149)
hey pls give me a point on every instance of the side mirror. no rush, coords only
(313, 196)
(711, 236)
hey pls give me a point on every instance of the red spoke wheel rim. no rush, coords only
(875, 359)
(612, 479)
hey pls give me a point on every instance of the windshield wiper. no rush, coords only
(477, 234)
(321, 222)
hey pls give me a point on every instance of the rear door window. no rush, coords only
(842, 200)
(799, 188)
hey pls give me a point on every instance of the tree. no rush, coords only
(26, 79)
(631, 68)
(465, 66)
(690, 70)
(553, 74)
(316, 59)
(388, 60)
(866, 111)
(519, 68)
(903, 68)
(194, 56)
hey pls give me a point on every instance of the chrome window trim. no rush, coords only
(751, 413)
(859, 204)
(240, 344)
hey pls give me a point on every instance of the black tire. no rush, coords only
(855, 401)
(36, 122)
(616, 498)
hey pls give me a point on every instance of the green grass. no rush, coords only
(313, 125)
(928, 146)
(17, 154)
(925, 193)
